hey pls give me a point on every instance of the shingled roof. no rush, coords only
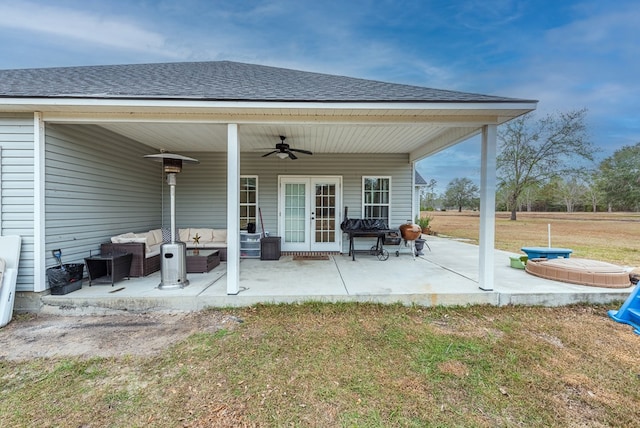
(419, 179)
(217, 81)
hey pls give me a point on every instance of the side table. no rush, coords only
(270, 248)
(108, 268)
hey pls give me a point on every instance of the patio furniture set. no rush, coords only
(145, 246)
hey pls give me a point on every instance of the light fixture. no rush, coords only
(173, 267)
(282, 155)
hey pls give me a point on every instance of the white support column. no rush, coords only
(415, 198)
(0, 190)
(39, 256)
(233, 209)
(487, 208)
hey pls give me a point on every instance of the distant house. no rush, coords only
(72, 141)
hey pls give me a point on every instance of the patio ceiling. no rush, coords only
(336, 138)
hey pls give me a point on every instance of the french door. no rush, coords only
(309, 209)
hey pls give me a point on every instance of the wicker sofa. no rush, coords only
(145, 246)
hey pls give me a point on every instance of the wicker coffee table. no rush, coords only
(201, 261)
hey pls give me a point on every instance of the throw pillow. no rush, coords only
(184, 235)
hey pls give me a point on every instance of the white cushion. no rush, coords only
(204, 234)
(219, 235)
(152, 251)
(157, 235)
(151, 240)
(183, 235)
(117, 239)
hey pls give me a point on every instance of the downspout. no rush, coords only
(39, 238)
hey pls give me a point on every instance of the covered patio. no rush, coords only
(447, 275)
(88, 128)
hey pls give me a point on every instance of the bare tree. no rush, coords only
(594, 194)
(529, 196)
(533, 151)
(571, 191)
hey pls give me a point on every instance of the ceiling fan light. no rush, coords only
(282, 155)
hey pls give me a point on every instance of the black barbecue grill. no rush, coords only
(370, 228)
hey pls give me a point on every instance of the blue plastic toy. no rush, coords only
(629, 312)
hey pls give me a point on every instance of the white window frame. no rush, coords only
(248, 204)
(365, 204)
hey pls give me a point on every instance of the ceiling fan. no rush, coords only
(283, 150)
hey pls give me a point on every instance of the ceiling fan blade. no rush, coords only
(291, 155)
(270, 153)
(306, 152)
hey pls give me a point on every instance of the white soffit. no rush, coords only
(184, 126)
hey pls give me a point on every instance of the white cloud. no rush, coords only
(479, 15)
(82, 27)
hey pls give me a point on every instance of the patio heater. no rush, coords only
(173, 255)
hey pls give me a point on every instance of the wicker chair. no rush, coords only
(140, 264)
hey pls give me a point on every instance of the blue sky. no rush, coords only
(566, 54)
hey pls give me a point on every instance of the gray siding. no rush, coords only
(105, 176)
(16, 189)
(351, 167)
(97, 185)
(201, 192)
(201, 189)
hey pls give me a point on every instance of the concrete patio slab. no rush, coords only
(446, 275)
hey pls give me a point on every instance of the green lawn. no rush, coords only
(351, 365)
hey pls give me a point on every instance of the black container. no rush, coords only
(270, 248)
(63, 281)
(66, 289)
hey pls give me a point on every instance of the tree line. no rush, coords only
(548, 164)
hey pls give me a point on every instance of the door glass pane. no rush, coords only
(295, 214)
(325, 221)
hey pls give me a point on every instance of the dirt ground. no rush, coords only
(43, 336)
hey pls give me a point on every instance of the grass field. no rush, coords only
(351, 365)
(610, 237)
(365, 365)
